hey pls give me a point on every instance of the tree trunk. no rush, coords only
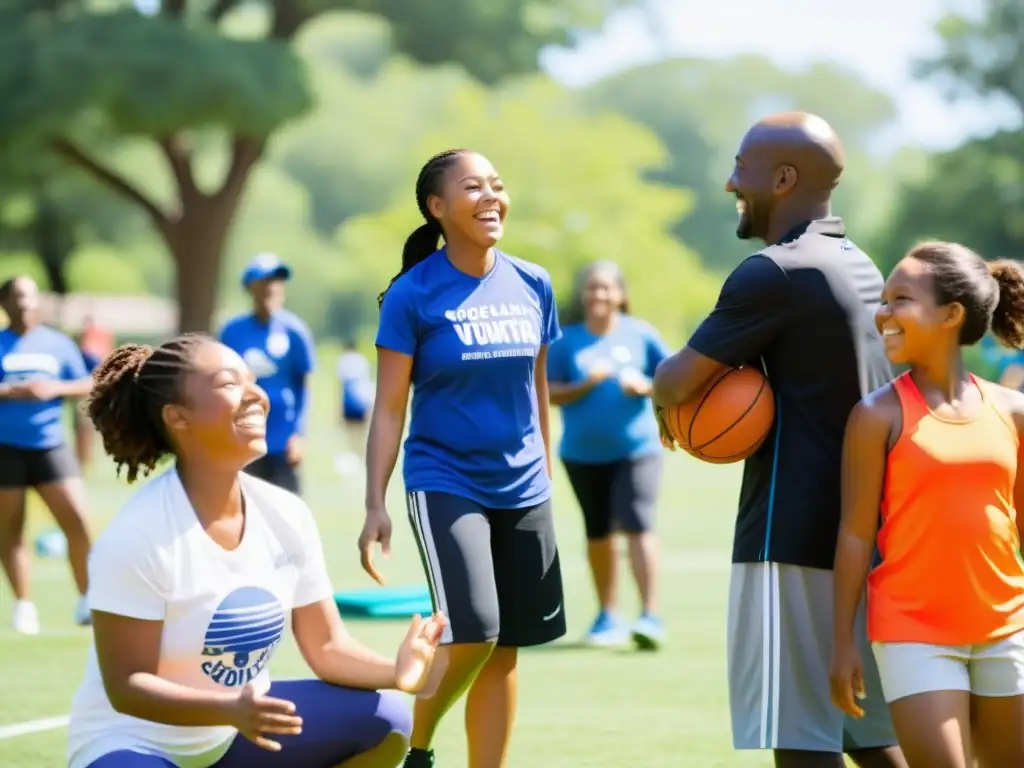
(196, 241)
(54, 242)
(197, 233)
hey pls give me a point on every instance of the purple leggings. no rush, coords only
(337, 724)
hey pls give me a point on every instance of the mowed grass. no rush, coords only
(578, 707)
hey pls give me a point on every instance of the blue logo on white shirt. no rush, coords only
(244, 632)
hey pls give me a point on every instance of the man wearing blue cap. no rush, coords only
(278, 347)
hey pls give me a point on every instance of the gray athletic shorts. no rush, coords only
(779, 650)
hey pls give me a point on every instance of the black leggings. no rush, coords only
(619, 496)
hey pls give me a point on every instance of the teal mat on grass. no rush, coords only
(385, 602)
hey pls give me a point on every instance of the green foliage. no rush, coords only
(350, 43)
(982, 55)
(75, 70)
(349, 155)
(156, 75)
(104, 270)
(492, 40)
(141, 75)
(335, 195)
(573, 199)
(22, 263)
(973, 194)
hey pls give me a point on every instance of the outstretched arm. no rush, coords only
(333, 654)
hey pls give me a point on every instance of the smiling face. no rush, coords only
(911, 321)
(223, 415)
(473, 203)
(602, 294)
(752, 182)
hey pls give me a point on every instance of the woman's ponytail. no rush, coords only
(421, 243)
(425, 238)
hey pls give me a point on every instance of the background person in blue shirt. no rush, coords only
(467, 328)
(39, 368)
(278, 347)
(601, 373)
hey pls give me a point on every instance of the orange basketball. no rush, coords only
(728, 420)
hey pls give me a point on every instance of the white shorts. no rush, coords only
(988, 669)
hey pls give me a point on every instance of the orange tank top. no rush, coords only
(951, 571)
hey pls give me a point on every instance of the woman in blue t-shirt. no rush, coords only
(467, 328)
(39, 368)
(600, 374)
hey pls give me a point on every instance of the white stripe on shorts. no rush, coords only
(776, 616)
(416, 503)
(771, 654)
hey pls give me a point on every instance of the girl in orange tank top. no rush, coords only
(930, 469)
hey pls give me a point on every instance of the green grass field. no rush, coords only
(578, 707)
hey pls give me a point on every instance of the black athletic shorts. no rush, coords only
(620, 496)
(275, 469)
(32, 467)
(494, 572)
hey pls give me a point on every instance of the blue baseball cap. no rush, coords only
(265, 266)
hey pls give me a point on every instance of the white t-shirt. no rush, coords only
(353, 366)
(224, 612)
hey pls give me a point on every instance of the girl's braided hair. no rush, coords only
(130, 389)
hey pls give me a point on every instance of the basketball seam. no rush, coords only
(676, 426)
(707, 394)
(760, 391)
(732, 456)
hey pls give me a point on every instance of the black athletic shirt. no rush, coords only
(803, 310)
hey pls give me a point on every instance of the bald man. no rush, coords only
(802, 309)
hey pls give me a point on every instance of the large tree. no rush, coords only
(72, 70)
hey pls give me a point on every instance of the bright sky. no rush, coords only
(879, 39)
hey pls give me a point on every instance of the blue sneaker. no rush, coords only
(648, 633)
(607, 629)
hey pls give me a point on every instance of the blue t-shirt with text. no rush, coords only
(281, 355)
(475, 426)
(606, 424)
(41, 354)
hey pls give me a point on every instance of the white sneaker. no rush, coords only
(26, 618)
(648, 633)
(83, 616)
